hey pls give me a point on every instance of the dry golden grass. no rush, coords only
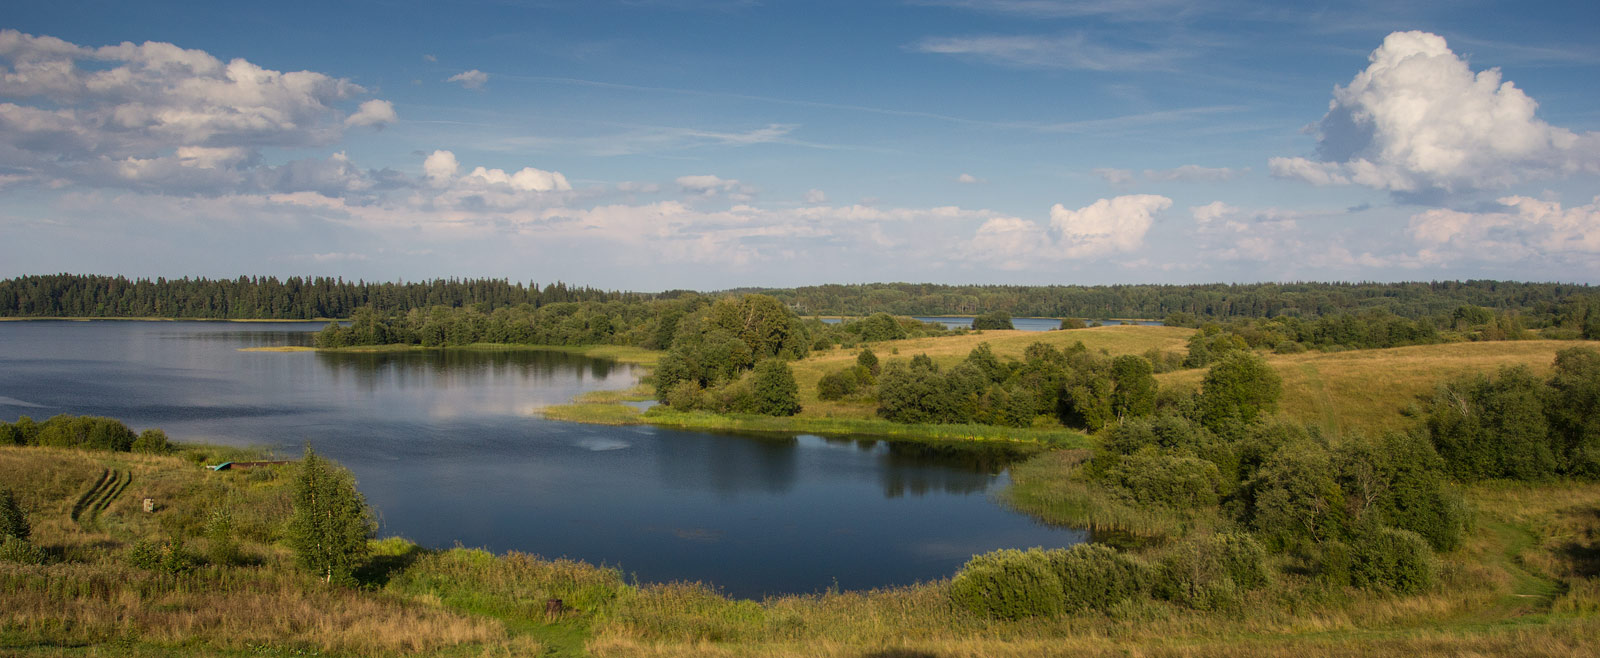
(89, 595)
(1366, 390)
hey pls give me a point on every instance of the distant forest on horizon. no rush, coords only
(305, 298)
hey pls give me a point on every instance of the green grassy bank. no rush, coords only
(1525, 585)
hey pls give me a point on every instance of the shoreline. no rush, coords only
(609, 406)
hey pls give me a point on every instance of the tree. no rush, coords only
(878, 327)
(774, 389)
(331, 522)
(868, 360)
(993, 320)
(13, 521)
(1237, 390)
(1574, 410)
(1133, 392)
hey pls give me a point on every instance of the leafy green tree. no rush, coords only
(1133, 392)
(13, 521)
(1487, 427)
(151, 441)
(867, 359)
(878, 327)
(1295, 497)
(774, 389)
(763, 323)
(1237, 390)
(1574, 410)
(331, 522)
(993, 320)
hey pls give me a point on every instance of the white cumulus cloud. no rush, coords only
(1525, 227)
(375, 113)
(1100, 229)
(471, 79)
(1107, 226)
(149, 113)
(1418, 119)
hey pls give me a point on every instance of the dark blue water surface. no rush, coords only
(449, 447)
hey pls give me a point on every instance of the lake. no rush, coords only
(448, 447)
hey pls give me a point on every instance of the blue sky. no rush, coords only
(654, 144)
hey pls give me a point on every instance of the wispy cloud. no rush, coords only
(1067, 51)
(1133, 10)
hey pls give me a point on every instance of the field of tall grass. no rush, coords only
(1524, 584)
(1371, 390)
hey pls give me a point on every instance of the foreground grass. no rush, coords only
(1524, 584)
(1370, 390)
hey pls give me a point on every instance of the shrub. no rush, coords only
(1210, 573)
(877, 327)
(1153, 478)
(1096, 576)
(1392, 559)
(1330, 562)
(774, 390)
(169, 557)
(151, 441)
(88, 432)
(1240, 387)
(843, 383)
(686, 396)
(1073, 323)
(221, 546)
(1008, 584)
(22, 551)
(869, 360)
(13, 521)
(993, 320)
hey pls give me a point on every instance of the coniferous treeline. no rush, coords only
(320, 297)
(1409, 300)
(294, 298)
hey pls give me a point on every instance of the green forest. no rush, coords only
(304, 298)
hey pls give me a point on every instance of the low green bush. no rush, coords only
(1395, 560)
(151, 441)
(13, 521)
(1212, 572)
(17, 549)
(170, 557)
(1097, 577)
(1008, 584)
(845, 382)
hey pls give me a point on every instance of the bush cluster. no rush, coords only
(1071, 386)
(1517, 426)
(1204, 573)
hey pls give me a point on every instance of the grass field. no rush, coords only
(1525, 584)
(1368, 390)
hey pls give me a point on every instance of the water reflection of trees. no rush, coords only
(454, 367)
(728, 465)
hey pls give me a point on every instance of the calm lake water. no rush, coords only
(448, 447)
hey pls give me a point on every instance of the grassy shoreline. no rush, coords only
(1521, 587)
